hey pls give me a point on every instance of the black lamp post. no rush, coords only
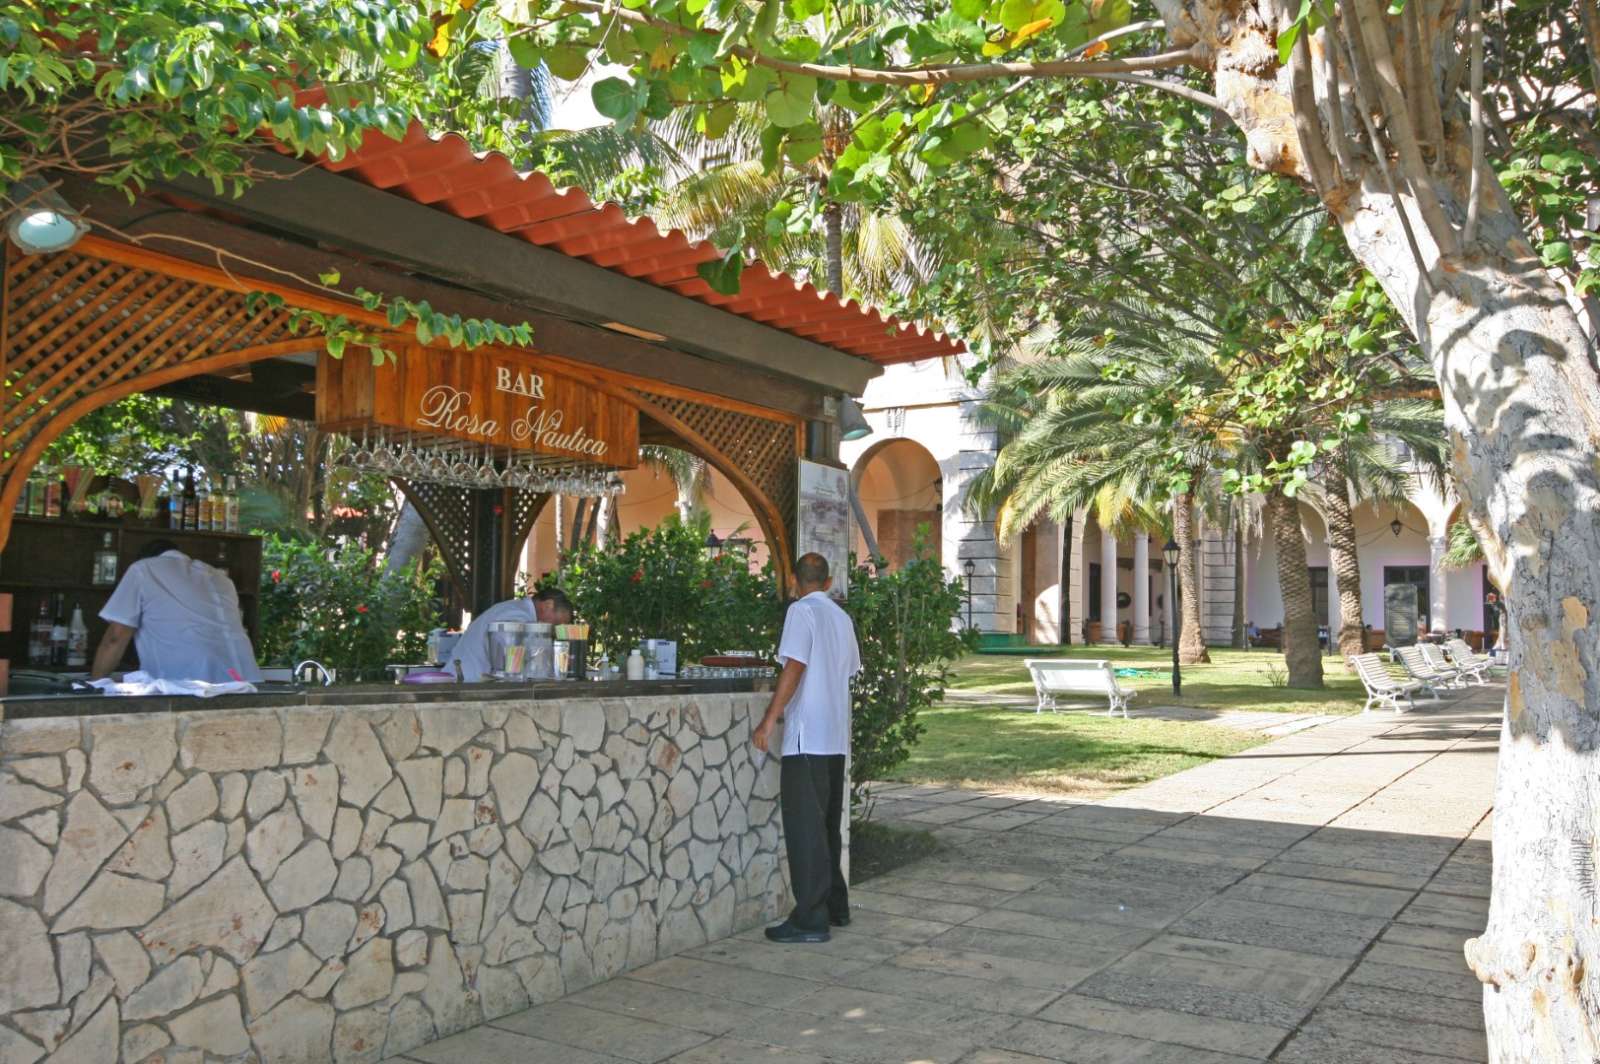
(1169, 554)
(969, 568)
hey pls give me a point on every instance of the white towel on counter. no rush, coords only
(142, 683)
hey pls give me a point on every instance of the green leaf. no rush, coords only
(567, 62)
(786, 108)
(1556, 253)
(335, 344)
(1286, 41)
(715, 121)
(723, 274)
(329, 278)
(970, 10)
(803, 144)
(1015, 14)
(615, 99)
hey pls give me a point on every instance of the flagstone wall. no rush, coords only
(311, 884)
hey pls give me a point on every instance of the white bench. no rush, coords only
(1383, 687)
(1430, 674)
(1470, 664)
(1054, 677)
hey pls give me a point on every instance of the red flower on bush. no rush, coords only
(705, 583)
(361, 609)
(638, 576)
(277, 576)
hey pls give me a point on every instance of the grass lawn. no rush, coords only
(1071, 753)
(1235, 679)
(1088, 754)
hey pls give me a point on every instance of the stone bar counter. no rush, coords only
(345, 875)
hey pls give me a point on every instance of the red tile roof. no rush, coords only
(445, 173)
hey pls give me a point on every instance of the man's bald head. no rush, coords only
(811, 573)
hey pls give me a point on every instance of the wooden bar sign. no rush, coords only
(499, 398)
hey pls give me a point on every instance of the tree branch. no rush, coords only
(1469, 231)
(1313, 146)
(1372, 32)
(1330, 72)
(942, 74)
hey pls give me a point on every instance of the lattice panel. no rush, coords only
(75, 324)
(765, 449)
(448, 514)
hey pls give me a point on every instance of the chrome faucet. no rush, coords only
(303, 672)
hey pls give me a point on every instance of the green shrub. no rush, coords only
(663, 583)
(335, 605)
(906, 626)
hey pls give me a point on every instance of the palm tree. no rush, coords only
(1372, 467)
(1068, 447)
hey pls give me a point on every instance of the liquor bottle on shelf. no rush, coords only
(54, 493)
(58, 633)
(174, 513)
(203, 492)
(230, 519)
(105, 562)
(191, 503)
(39, 635)
(36, 494)
(77, 639)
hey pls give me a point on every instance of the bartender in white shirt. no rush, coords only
(183, 618)
(550, 606)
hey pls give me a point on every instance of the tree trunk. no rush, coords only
(580, 507)
(1241, 540)
(1191, 637)
(833, 225)
(407, 541)
(1301, 652)
(1346, 562)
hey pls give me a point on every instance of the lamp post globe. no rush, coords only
(1169, 554)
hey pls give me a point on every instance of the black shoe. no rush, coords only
(839, 919)
(787, 933)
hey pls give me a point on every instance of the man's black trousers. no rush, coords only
(813, 807)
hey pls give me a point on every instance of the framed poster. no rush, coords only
(824, 520)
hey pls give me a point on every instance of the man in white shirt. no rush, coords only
(550, 606)
(819, 655)
(183, 618)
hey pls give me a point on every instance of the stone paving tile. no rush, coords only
(1075, 1045)
(1224, 855)
(1161, 1025)
(983, 994)
(941, 814)
(990, 1055)
(666, 1004)
(1462, 985)
(965, 875)
(1432, 960)
(1141, 913)
(1044, 975)
(1247, 956)
(495, 1045)
(1318, 1047)
(914, 886)
(626, 1037)
(913, 1011)
(859, 1041)
(1085, 932)
(948, 912)
(1338, 874)
(1403, 1005)
(1444, 939)
(821, 963)
(1321, 894)
(1397, 1033)
(731, 1050)
(723, 980)
(1022, 946)
(891, 928)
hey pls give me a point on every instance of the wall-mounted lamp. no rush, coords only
(43, 222)
(852, 422)
(1395, 526)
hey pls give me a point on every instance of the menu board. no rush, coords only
(503, 399)
(824, 520)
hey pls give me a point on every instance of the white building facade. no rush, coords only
(1055, 584)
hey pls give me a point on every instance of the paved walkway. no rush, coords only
(1304, 901)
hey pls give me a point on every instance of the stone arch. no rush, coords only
(900, 485)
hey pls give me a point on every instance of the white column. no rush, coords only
(1141, 589)
(1438, 594)
(1108, 587)
(1335, 619)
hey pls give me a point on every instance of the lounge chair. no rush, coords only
(1462, 657)
(1431, 676)
(1383, 687)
